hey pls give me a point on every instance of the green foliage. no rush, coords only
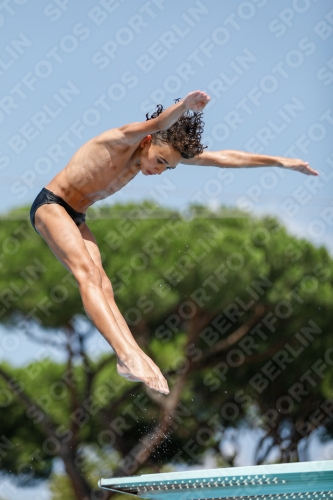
(22, 440)
(61, 487)
(231, 307)
(164, 258)
(96, 462)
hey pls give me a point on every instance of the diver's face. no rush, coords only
(155, 159)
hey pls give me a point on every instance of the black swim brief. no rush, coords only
(46, 197)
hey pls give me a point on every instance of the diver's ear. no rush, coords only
(146, 140)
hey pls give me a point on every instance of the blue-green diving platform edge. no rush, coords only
(306, 480)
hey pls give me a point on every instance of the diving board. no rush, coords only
(304, 481)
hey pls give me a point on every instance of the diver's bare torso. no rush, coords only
(102, 166)
(98, 169)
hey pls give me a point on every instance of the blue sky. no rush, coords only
(70, 70)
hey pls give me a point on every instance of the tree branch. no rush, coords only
(234, 337)
(140, 453)
(44, 420)
(104, 363)
(80, 486)
(48, 342)
(89, 372)
(72, 386)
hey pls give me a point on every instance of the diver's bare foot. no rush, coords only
(137, 369)
(151, 363)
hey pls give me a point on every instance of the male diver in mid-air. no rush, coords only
(104, 165)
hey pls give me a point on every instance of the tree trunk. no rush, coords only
(81, 488)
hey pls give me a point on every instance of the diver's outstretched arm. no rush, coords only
(239, 159)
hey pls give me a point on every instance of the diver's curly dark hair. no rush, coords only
(184, 135)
